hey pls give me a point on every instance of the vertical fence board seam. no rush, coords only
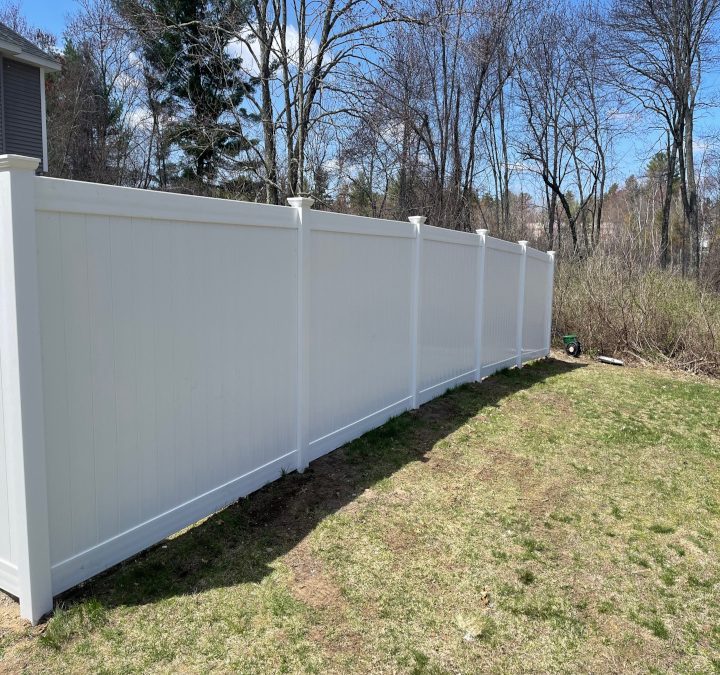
(548, 307)
(417, 222)
(480, 302)
(521, 304)
(302, 206)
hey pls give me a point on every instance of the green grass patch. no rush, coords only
(74, 621)
(563, 517)
(662, 529)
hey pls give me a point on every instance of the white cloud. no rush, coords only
(240, 47)
(245, 47)
(393, 133)
(139, 117)
(292, 42)
(331, 165)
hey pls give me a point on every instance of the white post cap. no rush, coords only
(18, 162)
(417, 220)
(301, 202)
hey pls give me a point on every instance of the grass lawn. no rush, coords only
(560, 518)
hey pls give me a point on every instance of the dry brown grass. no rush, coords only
(560, 518)
(620, 308)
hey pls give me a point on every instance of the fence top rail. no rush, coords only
(502, 245)
(329, 221)
(59, 195)
(538, 255)
(433, 233)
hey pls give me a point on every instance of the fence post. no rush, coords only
(418, 222)
(521, 303)
(479, 302)
(21, 381)
(548, 308)
(302, 206)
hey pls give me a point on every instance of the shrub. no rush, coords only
(621, 308)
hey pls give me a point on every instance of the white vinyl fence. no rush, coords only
(162, 355)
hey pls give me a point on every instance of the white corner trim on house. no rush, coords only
(43, 118)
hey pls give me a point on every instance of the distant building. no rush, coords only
(22, 96)
(536, 230)
(539, 229)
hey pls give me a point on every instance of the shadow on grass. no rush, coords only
(238, 544)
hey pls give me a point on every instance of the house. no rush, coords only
(22, 96)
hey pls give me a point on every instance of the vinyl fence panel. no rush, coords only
(503, 263)
(359, 323)
(447, 310)
(163, 355)
(536, 309)
(163, 342)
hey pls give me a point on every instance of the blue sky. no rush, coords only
(630, 153)
(48, 14)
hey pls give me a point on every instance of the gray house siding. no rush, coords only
(22, 109)
(2, 110)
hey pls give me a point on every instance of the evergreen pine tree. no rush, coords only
(185, 46)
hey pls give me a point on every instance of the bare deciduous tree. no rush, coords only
(567, 111)
(661, 48)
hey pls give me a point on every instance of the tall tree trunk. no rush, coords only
(266, 38)
(505, 183)
(287, 96)
(672, 150)
(272, 195)
(572, 221)
(691, 197)
(402, 175)
(551, 199)
(299, 154)
(688, 191)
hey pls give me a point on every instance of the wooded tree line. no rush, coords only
(506, 114)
